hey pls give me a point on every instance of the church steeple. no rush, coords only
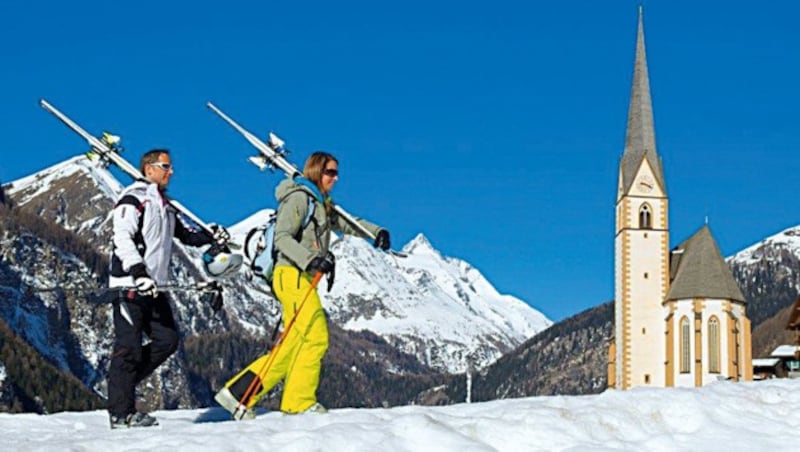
(640, 137)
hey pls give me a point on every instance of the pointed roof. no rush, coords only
(640, 137)
(697, 270)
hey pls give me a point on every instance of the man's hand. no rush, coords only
(146, 287)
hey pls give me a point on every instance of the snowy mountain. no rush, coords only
(439, 309)
(770, 248)
(768, 272)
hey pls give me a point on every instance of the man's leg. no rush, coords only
(125, 358)
(160, 327)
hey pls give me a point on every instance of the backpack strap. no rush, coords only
(312, 205)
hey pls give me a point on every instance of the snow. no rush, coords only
(722, 416)
(765, 362)
(785, 351)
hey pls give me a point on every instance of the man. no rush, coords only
(144, 224)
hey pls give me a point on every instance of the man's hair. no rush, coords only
(151, 156)
(316, 164)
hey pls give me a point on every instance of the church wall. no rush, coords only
(641, 285)
(699, 311)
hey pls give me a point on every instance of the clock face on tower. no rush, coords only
(646, 184)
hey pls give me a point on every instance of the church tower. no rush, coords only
(641, 248)
(680, 318)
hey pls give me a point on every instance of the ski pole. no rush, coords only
(206, 286)
(211, 291)
(241, 407)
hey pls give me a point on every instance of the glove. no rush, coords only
(382, 240)
(220, 234)
(146, 287)
(322, 264)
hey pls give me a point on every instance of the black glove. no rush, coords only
(220, 236)
(382, 240)
(322, 264)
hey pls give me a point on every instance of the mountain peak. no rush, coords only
(419, 245)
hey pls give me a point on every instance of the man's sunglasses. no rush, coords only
(162, 165)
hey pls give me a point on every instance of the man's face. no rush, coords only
(160, 171)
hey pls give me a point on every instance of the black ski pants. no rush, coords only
(131, 362)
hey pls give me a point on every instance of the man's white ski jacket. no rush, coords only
(144, 224)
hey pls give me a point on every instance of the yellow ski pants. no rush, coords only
(298, 359)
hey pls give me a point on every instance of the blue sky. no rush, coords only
(493, 128)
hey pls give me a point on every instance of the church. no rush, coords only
(679, 316)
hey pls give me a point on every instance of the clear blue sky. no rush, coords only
(494, 128)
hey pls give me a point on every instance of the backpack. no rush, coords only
(259, 245)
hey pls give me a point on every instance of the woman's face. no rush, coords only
(330, 174)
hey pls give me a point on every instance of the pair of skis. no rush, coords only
(272, 154)
(107, 148)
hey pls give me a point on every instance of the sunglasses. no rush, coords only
(162, 165)
(330, 172)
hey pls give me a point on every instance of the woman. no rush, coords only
(302, 252)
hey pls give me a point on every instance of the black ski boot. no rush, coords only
(137, 419)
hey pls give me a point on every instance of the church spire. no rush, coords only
(640, 137)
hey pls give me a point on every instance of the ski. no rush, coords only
(273, 155)
(108, 150)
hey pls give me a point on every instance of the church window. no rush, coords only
(645, 217)
(685, 349)
(713, 345)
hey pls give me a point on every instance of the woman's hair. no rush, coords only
(151, 157)
(316, 164)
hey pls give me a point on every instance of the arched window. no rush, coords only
(685, 350)
(713, 345)
(645, 217)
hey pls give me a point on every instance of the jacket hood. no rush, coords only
(288, 186)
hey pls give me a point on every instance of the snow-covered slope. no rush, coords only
(77, 194)
(786, 241)
(439, 308)
(724, 416)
